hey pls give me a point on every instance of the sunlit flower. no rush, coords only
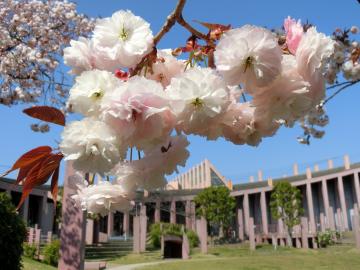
(103, 197)
(166, 67)
(123, 38)
(88, 92)
(198, 96)
(140, 112)
(170, 154)
(92, 145)
(248, 55)
(313, 51)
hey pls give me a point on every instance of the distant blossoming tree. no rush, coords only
(33, 34)
(241, 84)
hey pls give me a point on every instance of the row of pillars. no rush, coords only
(327, 220)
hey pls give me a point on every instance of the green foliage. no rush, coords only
(51, 253)
(12, 234)
(216, 205)
(285, 204)
(159, 229)
(29, 250)
(327, 238)
(193, 238)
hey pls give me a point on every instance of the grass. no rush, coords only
(239, 257)
(30, 264)
(233, 257)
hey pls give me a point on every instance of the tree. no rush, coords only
(241, 84)
(216, 205)
(286, 204)
(33, 35)
(12, 234)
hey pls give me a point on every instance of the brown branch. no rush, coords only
(176, 16)
(339, 91)
(170, 21)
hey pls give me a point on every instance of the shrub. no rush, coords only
(193, 238)
(29, 250)
(51, 253)
(12, 234)
(327, 238)
(170, 229)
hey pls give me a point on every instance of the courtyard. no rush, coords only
(228, 257)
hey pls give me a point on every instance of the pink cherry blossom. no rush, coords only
(294, 32)
(140, 111)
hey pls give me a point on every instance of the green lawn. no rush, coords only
(35, 265)
(234, 257)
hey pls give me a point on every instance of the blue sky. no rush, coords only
(274, 155)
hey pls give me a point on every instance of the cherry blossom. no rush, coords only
(92, 145)
(123, 39)
(90, 88)
(249, 55)
(139, 110)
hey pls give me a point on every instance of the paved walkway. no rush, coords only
(139, 265)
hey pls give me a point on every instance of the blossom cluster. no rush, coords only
(33, 35)
(134, 96)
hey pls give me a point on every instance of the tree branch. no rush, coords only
(176, 16)
(340, 90)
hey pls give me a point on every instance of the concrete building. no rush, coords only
(328, 196)
(38, 208)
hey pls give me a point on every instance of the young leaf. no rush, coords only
(47, 114)
(29, 158)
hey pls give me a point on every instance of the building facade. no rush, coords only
(38, 208)
(329, 198)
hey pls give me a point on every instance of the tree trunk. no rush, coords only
(289, 238)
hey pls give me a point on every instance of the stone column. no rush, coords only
(136, 234)
(340, 220)
(173, 212)
(44, 218)
(356, 228)
(89, 231)
(240, 221)
(110, 224)
(25, 209)
(322, 222)
(260, 175)
(310, 207)
(304, 232)
(331, 219)
(143, 227)
(330, 164)
(126, 225)
(188, 215)
(246, 212)
(185, 247)
(264, 218)
(31, 236)
(325, 196)
(295, 169)
(157, 217)
(73, 229)
(201, 230)
(342, 203)
(251, 234)
(193, 216)
(357, 187)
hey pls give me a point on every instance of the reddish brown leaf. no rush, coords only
(47, 114)
(23, 172)
(215, 29)
(29, 158)
(40, 173)
(54, 184)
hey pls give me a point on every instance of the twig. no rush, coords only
(170, 21)
(338, 84)
(176, 16)
(339, 90)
